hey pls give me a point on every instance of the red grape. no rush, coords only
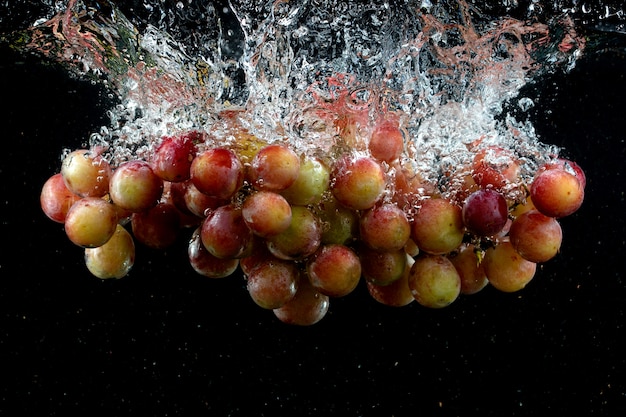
(506, 270)
(358, 183)
(225, 234)
(217, 172)
(306, 308)
(86, 173)
(434, 281)
(385, 228)
(56, 199)
(470, 268)
(382, 268)
(557, 192)
(397, 293)
(437, 227)
(387, 142)
(536, 236)
(274, 168)
(273, 283)
(266, 213)
(90, 222)
(172, 159)
(204, 263)
(158, 227)
(113, 259)
(135, 187)
(494, 167)
(335, 270)
(300, 239)
(310, 185)
(485, 212)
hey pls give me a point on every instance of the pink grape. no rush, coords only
(335, 270)
(387, 142)
(199, 203)
(204, 263)
(506, 270)
(217, 172)
(434, 281)
(301, 239)
(358, 183)
(90, 222)
(397, 293)
(113, 259)
(485, 212)
(494, 167)
(536, 236)
(306, 308)
(470, 268)
(86, 173)
(273, 283)
(382, 268)
(266, 213)
(158, 227)
(135, 187)
(225, 234)
(437, 227)
(56, 199)
(340, 224)
(310, 185)
(385, 228)
(557, 193)
(172, 158)
(274, 168)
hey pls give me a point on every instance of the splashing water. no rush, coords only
(294, 69)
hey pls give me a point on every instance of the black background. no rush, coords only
(166, 341)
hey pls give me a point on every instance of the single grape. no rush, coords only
(56, 199)
(90, 222)
(86, 173)
(557, 192)
(434, 281)
(310, 185)
(217, 172)
(273, 283)
(358, 183)
(437, 227)
(495, 167)
(306, 308)
(397, 293)
(158, 227)
(335, 270)
(340, 224)
(385, 227)
(266, 213)
(204, 263)
(274, 168)
(387, 142)
(172, 158)
(300, 239)
(135, 187)
(470, 268)
(536, 236)
(506, 270)
(225, 234)
(113, 259)
(382, 268)
(485, 212)
(199, 203)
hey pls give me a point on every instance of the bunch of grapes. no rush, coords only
(305, 228)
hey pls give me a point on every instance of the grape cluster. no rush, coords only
(306, 228)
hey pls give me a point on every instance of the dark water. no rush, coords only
(165, 341)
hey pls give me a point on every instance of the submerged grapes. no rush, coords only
(389, 164)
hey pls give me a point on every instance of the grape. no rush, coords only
(341, 225)
(536, 236)
(273, 283)
(172, 159)
(113, 259)
(300, 239)
(470, 268)
(310, 185)
(158, 227)
(358, 183)
(135, 187)
(434, 281)
(557, 192)
(382, 268)
(90, 222)
(204, 263)
(266, 213)
(198, 203)
(506, 270)
(86, 174)
(437, 227)
(397, 293)
(56, 199)
(387, 142)
(274, 168)
(485, 212)
(494, 167)
(173, 193)
(306, 308)
(224, 233)
(217, 172)
(385, 228)
(335, 270)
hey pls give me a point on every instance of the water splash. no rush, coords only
(316, 72)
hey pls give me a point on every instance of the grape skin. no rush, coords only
(535, 236)
(335, 270)
(90, 222)
(135, 187)
(506, 270)
(434, 281)
(86, 174)
(113, 259)
(437, 227)
(56, 199)
(204, 263)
